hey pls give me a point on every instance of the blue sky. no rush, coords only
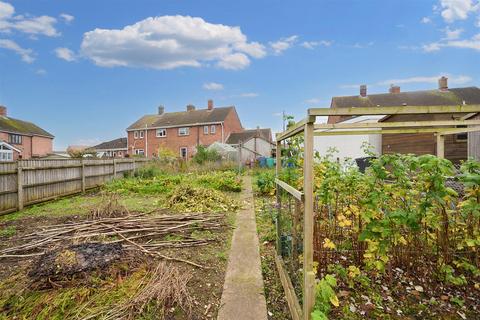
(85, 70)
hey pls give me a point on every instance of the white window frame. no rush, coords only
(135, 134)
(142, 134)
(6, 155)
(186, 152)
(205, 129)
(184, 131)
(139, 152)
(161, 133)
(213, 129)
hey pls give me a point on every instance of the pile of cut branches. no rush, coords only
(146, 233)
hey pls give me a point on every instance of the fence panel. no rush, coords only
(42, 180)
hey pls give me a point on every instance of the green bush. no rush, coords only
(223, 181)
(266, 182)
(204, 155)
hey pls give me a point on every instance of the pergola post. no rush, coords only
(308, 275)
(440, 145)
(278, 169)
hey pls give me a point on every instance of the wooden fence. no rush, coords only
(28, 182)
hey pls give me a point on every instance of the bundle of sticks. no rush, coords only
(143, 232)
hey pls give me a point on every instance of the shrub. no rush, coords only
(204, 155)
(223, 181)
(266, 182)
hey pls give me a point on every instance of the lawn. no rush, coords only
(165, 235)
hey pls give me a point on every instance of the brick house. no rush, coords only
(182, 131)
(22, 139)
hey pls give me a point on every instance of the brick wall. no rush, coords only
(31, 146)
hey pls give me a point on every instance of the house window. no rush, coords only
(183, 131)
(205, 129)
(142, 134)
(183, 152)
(461, 137)
(139, 152)
(161, 133)
(212, 129)
(5, 154)
(135, 134)
(15, 139)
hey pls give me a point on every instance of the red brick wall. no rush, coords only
(174, 142)
(31, 146)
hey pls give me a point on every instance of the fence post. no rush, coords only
(114, 169)
(84, 187)
(240, 156)
(440, 145)
(308, 274)
(20, 186)
(278, 169)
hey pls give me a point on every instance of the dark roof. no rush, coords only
(455, 96)
(22, 127)
(244, 136)
(120, 143)
(175, 119)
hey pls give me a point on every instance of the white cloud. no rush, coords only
(212, 86)
(283, 44)
(426, 20)
(27, 55)
(68, 18)
(313, 44)
(42, 25)
(41, 72)
(458, 9)
(169, 42)
(431, 47)
(452, 34)
(460, 79)
(248, 95)
(65, 54)
(363, 45)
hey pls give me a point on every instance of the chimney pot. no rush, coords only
(210, 104)
(3, 111)
(443, 83)
(190, 107)
(161, 110)
(363, 90)
(394, 89)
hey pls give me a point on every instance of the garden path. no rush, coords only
(243, 294)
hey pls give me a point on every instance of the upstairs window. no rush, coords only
(183, 131)
(15, 139)
(135, 134)
(205, 129)
(142, 134)
(161, 133)
(212, 129)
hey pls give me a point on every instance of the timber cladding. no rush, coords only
(423, 143)
(32, 181)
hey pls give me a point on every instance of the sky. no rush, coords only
(85, 70)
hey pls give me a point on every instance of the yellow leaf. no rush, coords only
(334, 300)
(328, 244)
(402, 240)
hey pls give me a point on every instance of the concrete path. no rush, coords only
(242, 296)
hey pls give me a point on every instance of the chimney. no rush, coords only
(190, 107)
(363, 90)
(394, 89)
(443, 84)
(210, 104)
(3, 111)
(161, 110)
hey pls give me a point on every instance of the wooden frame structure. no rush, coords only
(309, 129)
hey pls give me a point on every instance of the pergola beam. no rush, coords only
(293, 130)
(367, 111)
(404, 124)
(396, 131)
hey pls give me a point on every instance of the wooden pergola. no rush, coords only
(309, 129)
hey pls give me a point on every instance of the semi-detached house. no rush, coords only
(182, 132)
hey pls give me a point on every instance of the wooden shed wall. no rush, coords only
(474, 143)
